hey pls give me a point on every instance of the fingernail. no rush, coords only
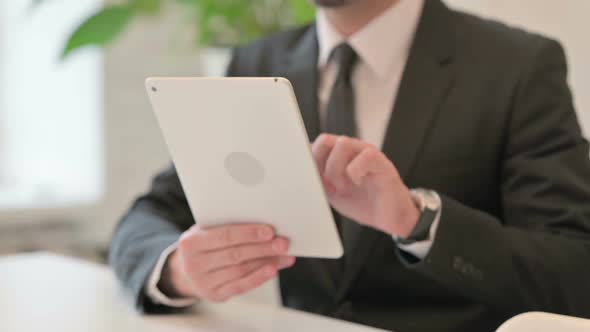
(270, 271)
(279, 245)
(287, 261)
(264, 233)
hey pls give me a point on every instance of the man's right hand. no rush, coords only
(219, 263)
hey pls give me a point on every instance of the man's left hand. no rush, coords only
(363, 184)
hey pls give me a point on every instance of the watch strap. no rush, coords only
(422, 229)
(429, 204)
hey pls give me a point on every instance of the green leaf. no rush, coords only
(150, 7)
(99, 29)
(303, 11)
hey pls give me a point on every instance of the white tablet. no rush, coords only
(242, 155)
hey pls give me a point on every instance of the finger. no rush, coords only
(285, 262)
(245, 284)
(321, 149)
(370, 160)
(345, 150)
(224, 275)
(239, 254)
(198, 239)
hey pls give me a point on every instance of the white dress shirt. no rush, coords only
(383, 46)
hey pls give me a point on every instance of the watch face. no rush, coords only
(430, 199)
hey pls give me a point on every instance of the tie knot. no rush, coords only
(346, 57)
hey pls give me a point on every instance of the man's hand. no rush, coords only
(220, 263)
(363, 184)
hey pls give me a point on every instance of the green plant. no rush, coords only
(216, 22)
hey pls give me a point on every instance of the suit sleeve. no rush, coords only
(536, 255)
(155, 221)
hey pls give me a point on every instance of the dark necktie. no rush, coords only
(340, 120)
(340, 113)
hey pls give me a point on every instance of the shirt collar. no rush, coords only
(381, 43)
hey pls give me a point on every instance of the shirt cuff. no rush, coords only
(420, 249)
(155, 294)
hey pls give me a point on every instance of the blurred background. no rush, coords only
(78, 141)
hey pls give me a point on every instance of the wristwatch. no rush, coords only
(429, 204)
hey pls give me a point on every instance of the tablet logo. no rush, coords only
(244, 168)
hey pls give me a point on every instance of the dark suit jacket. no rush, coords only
(484, 116)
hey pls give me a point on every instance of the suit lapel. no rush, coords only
(301, 70)
(426, 81)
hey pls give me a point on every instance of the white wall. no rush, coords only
(566, 20)
(44, 104)
(135, 150)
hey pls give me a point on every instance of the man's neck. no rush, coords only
(349, 19)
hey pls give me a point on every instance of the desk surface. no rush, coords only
(44, 292)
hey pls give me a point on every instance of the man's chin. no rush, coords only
(332, 3)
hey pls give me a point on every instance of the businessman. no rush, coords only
(449, 148)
